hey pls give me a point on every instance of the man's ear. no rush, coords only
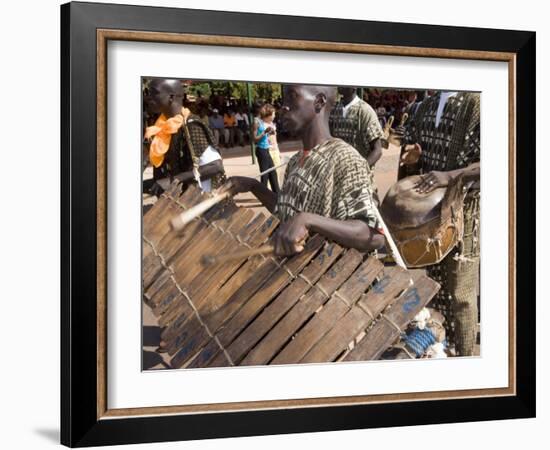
(320, 102)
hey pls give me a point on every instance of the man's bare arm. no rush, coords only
(206, 172)
(470, 173)
(348, 233)
(375, 153)
(435, 179)
(267, 197)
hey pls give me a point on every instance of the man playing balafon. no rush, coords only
(326, 188)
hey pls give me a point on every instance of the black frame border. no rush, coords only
(79, 423)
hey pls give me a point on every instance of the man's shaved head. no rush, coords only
(164, 96)
(305, 104)
(330, 93)
(166, 85)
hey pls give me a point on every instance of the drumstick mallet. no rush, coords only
(389, 239)
(263, 250)
(182, 220)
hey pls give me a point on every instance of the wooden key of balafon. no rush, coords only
(207, 260)
(179, 222)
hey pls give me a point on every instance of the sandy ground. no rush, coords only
(238, 161)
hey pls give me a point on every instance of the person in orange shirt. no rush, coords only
(180, 146)
(230, 125)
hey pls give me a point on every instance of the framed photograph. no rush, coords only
(279, 224)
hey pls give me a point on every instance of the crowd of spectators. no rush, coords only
(393, 102)
(230, 118)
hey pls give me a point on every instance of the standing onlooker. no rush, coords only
(242, 125)
(230, 124)
(269, 119)
(354, 121)
(202, 108)
(216, 125)
(261, 137)
(256, 109)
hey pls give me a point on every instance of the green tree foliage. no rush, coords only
(237, 90)
(266, 91)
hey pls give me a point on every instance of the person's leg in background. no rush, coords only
(216, 134)
(226, 137)
(239, 139)
(458, 275)
(265, 162)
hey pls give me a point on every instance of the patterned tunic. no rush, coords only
(331, 181)
(180, 156)
(455, 142)
(359, 128)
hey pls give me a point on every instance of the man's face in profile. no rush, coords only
(161, 95)
(298, 108)
(347, 92)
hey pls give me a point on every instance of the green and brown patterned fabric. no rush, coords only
(359, 128)
(333, 180)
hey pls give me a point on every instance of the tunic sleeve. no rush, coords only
(353, 190)
(370, 126)
(471, 149)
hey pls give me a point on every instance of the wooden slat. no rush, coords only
(343, 324)
(273, 286)
(196, 231)
(235, 292)
(274, 283)
(160, 225)
(166, 208)
(284, 301)
(154, 295)
(195, 330)
(240, 280)
(172, 331)
(302, 310)
(170, 294)
(400, 313)
(261, 270)
(321, 322)
(186, 273)
(150, 219)
(188, 264)
(256, 233)
(170, 308)
(227, 245)
(173, 242)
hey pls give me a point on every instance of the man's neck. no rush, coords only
(317, 133)
(173, 110)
